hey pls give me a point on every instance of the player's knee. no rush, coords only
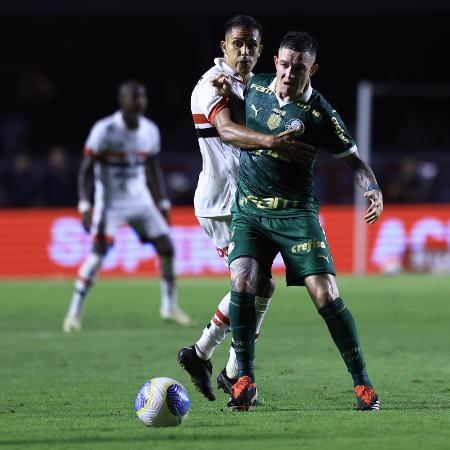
(266, 287)
(164, 247)
(242, 283)
(322, 297)
(101, 247)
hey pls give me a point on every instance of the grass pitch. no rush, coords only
(76, 391)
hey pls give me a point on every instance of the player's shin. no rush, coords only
(261, 307)
(343, 331)
(216, 330)
(243, 327)
(85, 280)
(168, 284)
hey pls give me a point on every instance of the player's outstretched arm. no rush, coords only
(85, 185)
(364, 177)
(157, 186)
(247, 139)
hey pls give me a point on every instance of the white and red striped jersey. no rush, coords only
(216, 186)
(120, 155)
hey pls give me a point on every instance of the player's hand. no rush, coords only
(287, 145)
(166, 215)
(86, 220)
(376, 205)
(222, 83)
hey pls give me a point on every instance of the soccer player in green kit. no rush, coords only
(277, 211)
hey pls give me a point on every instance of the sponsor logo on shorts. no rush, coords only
(307, 246)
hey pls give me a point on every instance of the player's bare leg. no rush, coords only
(325, 295)
(169, 308)
(85, 280)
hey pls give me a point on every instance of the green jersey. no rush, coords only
(271, 184)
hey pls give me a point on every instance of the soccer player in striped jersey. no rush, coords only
(276, 211)
(220, 146)
(121, 156)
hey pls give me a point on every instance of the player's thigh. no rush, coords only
(249, 239)
(304, 248)
(148, 222)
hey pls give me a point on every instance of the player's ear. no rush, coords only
(223, 46)
(260, 49)
(275, 60)
(314, 69)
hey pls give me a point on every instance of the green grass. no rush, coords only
(76, 391)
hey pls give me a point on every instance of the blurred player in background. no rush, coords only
(276, 211)
(121, 155)
(220, 146)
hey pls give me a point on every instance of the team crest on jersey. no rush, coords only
(296, 124)
(273, 121)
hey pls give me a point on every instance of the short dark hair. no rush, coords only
(242, 20)
(300, 41)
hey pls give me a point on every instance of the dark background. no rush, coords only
(61, 63)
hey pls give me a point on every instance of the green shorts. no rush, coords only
(300, 240)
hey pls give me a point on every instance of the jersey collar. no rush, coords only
(224, 67)
(304, 97)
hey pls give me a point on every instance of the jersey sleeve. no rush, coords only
(210, 102)
(95, 142)
(334, 135)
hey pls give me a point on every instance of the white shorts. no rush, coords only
(146, 220)
(218, 229)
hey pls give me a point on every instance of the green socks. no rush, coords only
(243, 327)
(343, 331)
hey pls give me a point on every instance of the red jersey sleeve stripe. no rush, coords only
(87, 151)
(199, 118)
(223, 103)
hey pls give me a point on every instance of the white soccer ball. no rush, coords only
(161, 402)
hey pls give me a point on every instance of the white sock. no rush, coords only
(232, 369)
(169, 300)
(86, 278)
(261, 307)
(215, 331)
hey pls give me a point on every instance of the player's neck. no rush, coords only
(131, 120)
(287, 97)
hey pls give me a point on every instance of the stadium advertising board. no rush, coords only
(44, 242)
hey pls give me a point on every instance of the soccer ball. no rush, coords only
(161, 402)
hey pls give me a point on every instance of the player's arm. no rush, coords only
(365, 178)
(85, 185)
(247, 139)
(231, 132)
(157, 186)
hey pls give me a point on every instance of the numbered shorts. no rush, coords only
(218, 229)
(300, 240)
(146, 220)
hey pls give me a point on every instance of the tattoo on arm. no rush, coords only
(362, 173)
